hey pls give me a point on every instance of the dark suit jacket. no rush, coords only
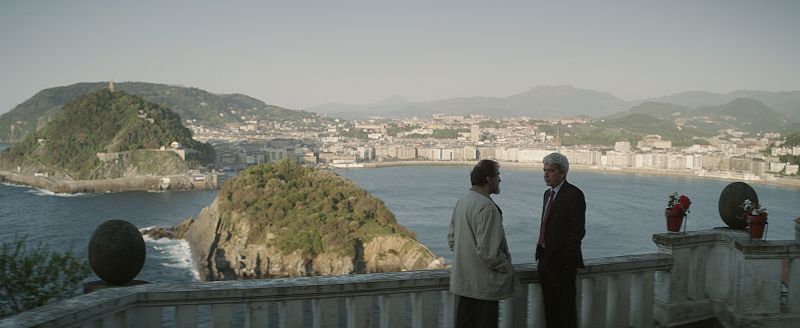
(565, 228)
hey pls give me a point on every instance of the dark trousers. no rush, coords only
(475, 313)
(558, 290)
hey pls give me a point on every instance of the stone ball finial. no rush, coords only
(116, 251)
(730, 204)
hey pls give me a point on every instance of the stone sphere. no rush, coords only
(730, 204)
(116, 251)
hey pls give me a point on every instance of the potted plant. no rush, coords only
(677, 208)
(756, 218)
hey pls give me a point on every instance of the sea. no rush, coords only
(624, 210)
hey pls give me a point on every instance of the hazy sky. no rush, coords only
(298, 54)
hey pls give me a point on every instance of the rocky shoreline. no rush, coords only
(61, 185)
(224, 253)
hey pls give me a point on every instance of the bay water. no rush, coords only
(623, 211)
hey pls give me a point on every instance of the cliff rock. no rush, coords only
(224, 254)
(285, 220)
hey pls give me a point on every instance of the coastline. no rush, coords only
(138, 183)
(785, 182)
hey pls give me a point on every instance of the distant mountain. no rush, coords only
(538, 102)
(784, 101)
(654, 109)
(106, 122)
(741, 114)
(747, 115)
(189, 103)
(388, 107)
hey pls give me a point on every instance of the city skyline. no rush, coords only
(302, 55)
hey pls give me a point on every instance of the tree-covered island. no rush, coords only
(284, 220)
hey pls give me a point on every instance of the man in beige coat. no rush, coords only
(482, 273)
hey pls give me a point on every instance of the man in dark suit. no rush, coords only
(558, 250)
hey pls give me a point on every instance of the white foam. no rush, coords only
(172, 253)
(43, 192)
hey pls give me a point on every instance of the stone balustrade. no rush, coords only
(614, 291)
(723, 275)
(697, 277)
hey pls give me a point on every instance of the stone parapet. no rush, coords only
(721, 274)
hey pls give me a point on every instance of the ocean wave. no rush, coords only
(43, 192)
(14, 185)
(172, 253)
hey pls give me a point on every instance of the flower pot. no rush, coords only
(756, 224)
(674, 220)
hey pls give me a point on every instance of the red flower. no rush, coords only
(678, 203)
(684, 202)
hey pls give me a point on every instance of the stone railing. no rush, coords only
(697, 277)
(722, 275)
(613, 292)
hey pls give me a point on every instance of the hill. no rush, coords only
(744, 114)
(684, 124)
(125, 127)
(281, 219)
(538, 102)
(655, 109)
(192, 104)
(787, 102)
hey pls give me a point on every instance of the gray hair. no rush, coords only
(557, 159)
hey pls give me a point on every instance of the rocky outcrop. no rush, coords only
(223, 252)
(61, 185)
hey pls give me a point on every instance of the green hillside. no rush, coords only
(101, 122)
(682, 125)
(655, 109)
(292, 207)
(189, 103)
(633, 127)
(747, 115)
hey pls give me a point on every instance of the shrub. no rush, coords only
(31, 277)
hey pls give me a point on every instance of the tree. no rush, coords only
(31, 277)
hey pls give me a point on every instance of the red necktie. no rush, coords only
(547, 209)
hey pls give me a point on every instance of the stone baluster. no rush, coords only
(359, 311)
(391, 308)
(449, 300)
(424, 308)
(143, 317)
(186, 316)
(514, 309)
(585, 290)
(642, 290)
(221, 315)
(324, 312)
(256, 314)
(793, 298)
(535, 306)
(290, 314)
(618, 300)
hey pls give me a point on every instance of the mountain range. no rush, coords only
(690, 111)
(553, 101)
(538, 102)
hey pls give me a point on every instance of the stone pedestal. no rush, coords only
(722, 275)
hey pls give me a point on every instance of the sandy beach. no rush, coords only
(786, 182)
